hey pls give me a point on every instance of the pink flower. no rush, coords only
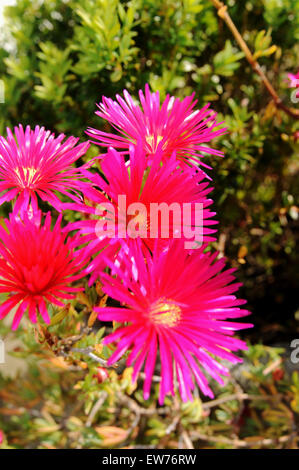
(37, 265)
(294, 81)
(37, 163)
(178, 308)
(175, 123)
(139, 183)
(1, 437)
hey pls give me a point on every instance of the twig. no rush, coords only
(155, 378)
(186, 438)
(272, 366)
(88, 352)
(143, 411)
(238, 396)
(177, 417)
(238, 443)
(96, 407)
(173, 425)
(221, 244)
(132, 405)
(224, 15)
(141, 446)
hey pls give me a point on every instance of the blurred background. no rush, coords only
(57, 59)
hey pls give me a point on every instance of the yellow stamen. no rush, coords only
(153, 141)
(165, 312)
(29, 174)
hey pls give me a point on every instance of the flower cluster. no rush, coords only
(173, 298)
(37, 264)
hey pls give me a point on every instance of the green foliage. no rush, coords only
(56, 404)
(57, 59)
(226, 62)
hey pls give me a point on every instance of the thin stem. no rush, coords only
(240, 397)
(238, 443)
(88, 352)
(224, 15)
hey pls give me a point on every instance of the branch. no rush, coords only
(235, 442)
(240, 397)
(224, 15)
(95, 409)
(88, 352)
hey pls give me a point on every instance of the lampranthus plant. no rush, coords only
(175, 302)
(36, 163)
(176, 124)
(178, 307)
(37, 266)
(135, 181)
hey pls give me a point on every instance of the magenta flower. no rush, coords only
(177, 308)
(175, 123)
(37, 265)
(139, 183)
(294, 81)
(37, 163)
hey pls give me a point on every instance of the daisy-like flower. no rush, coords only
(37, 266)
(175, 123)
(36, 163)
(128, 183)
(177, 309)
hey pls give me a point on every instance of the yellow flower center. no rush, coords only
(165, 312)
(26, 179)
(153, 141)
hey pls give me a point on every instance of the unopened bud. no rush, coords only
(102, 375)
